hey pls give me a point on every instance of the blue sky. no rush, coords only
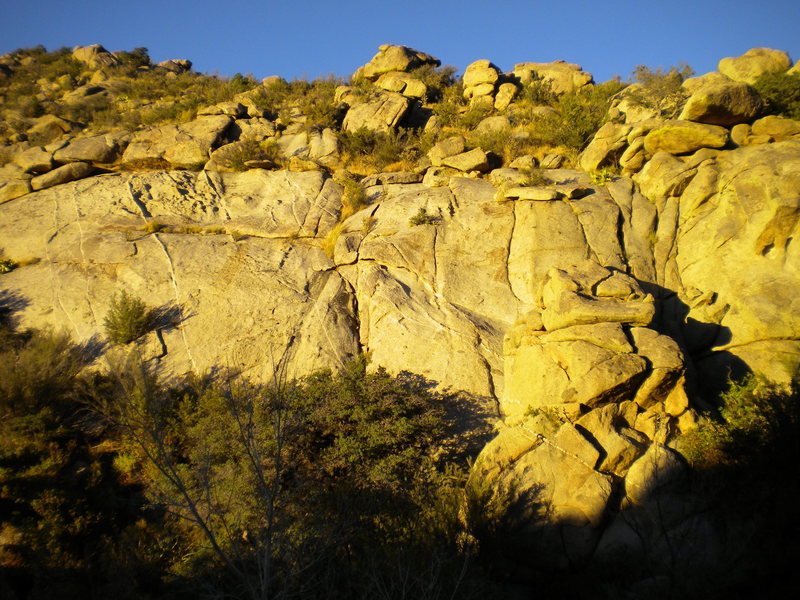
(313, 38)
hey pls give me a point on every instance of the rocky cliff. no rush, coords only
(595, 309)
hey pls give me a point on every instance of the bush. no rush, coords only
(128, 319)
(423, 218)
(660, 90)
(755, 416)
(781, 91)
(581, 113)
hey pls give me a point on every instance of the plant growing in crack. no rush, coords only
(128, 319)
(423, 218)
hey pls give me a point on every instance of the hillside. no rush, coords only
(589, 263)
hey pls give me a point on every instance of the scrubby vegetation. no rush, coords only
(128, 319)
(348, 484)
(781, 91)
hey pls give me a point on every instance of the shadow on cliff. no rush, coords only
(708, 371)
(724, 525)
(11, 302)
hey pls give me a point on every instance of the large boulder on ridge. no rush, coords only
(723, 103)
(394, 58)
(754, 63)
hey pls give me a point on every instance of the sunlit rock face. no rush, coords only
(589, 314)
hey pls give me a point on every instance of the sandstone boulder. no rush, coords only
(382, 114)
(480, 79)
(448, 147)
(95, 56)
(506, 92)
(777, 128)
(474, 160)
(96, 149)
(607, 146)
(34, 160)
(754, 63)
(13, 182)
(175, 65)
(683, 137)
(726, 103)
(64, 174)
(402, 83)
(184, 146)
(562, 76)
(394, 58)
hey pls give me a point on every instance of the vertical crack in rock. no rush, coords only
(177, 298)
(51, 263)
(508, 251)
(592, 253)
(217, 189)
(79, 222)
(136, 197)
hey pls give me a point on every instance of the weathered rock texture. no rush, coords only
(589, 316)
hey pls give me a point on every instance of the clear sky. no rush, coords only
(310, 38)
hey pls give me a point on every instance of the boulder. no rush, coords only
(34, 160)
(684, 137)
(64, 174)
(506, 92)
(754, 63)
(391, 178)
(778, 128)
(530, 193)
(481, 72)
(13, 182)
(562, 76)
(606, 147)
(474, 160)
(184, 146)
(175, 65)
(47, 128)
(448, 147)
(567, 299)
(394, 58)
(480, 79)
(381, 114)
(257, 129)
(235, 110)
(724, 103)
(402, 83)
(95, 56)
(96, 149)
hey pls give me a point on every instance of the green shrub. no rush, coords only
(581, 113)
(601, 176)
(128, 319)
(754, 417)
(379, 149)
(781, 91)
(423, 218)
(7, 265)
(538, 93)
(437, 79)
(661, 90)
(451, 105)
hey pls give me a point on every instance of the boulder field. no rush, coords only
(592, 318)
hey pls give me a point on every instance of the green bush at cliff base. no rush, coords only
(128, 319)
(756, 419)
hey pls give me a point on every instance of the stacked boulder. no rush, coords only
(592, 395)
(563, 77)
(391, 71)
(485, 85)
(721, 109)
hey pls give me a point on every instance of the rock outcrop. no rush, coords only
(590, 311)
